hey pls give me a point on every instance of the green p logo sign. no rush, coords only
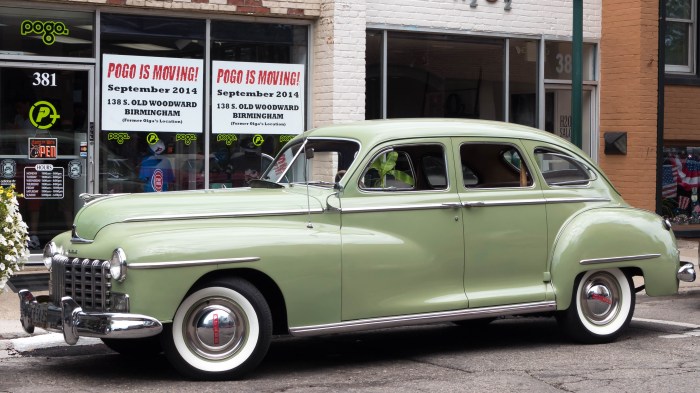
(43, 115)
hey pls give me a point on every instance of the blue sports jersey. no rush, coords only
(157, 173)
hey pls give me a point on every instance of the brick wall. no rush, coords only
(681, 113)
(628, 99)
(339, 63)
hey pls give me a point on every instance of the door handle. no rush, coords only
(474, 204)
(454, 205)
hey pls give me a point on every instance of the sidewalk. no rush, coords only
(10, 327)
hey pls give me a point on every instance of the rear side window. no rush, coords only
(561, 169)
(493, 165)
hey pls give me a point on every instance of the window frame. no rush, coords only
(690, 67)
(397, 148)
(506, 146)
(572, 159)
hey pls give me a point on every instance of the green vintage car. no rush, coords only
(355, 227)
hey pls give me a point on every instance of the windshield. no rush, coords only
(321, 161)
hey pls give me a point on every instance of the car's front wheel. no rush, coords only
(601, 307)
(220, 331)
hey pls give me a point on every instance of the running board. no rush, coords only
(421, 319)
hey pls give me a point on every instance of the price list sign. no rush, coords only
(43, 181)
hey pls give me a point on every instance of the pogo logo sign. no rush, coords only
(47, 29)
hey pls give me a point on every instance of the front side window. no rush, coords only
(680, 34)
(407, 168)
(559, 169)
(493, 165)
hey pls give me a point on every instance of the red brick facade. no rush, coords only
(628, 96)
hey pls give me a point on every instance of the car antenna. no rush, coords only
(308, 154)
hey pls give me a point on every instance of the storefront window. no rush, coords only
(32, 32)
(444, 76)
(258, 97)
(152, 115)
(680, 181)
(373, 76)
(523, 55)
(559, 61)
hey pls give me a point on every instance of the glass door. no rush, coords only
(558, 115)
(46, 114)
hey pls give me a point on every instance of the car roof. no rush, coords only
(371, 132)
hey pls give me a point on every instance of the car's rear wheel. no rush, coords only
(220, 331)
(601, 307)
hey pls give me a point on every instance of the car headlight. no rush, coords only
(49, 251)
(117, 265)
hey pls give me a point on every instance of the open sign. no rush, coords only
(43, 148)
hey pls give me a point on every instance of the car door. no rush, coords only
(402, 237)
(505, 223)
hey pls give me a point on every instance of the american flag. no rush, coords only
(683, 202)
(669, 187)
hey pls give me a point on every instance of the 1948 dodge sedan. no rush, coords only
(355, 227)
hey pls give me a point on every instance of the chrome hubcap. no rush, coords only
(216, 328)
(600, 298)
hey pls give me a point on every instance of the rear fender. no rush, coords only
(617, 237)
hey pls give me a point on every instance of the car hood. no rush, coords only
(183, 205)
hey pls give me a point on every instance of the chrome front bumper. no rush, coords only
(686, 272)
(69, 318)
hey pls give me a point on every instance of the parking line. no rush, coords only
(670, 323)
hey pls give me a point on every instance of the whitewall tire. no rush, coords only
(220, 331)
(601, 308)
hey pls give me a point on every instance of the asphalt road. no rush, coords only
(658, 353)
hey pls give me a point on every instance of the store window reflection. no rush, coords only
(444, 76)
(680, 180)
(523, 55)
(237, 156)
(158, 158)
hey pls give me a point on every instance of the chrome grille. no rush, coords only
(86, 281)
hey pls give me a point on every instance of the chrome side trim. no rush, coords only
(419, 319)
(618, 259)
(223, 215)
(389, 208)
(537, 201)
(201, 262)
(577, 200)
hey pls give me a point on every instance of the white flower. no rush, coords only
(2, 266)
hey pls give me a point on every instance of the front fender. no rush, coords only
(618, 237)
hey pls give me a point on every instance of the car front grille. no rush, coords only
(86, 281)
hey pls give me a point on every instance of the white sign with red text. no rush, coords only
(141, 93)
(257, 98)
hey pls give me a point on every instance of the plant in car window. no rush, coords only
(385, 165)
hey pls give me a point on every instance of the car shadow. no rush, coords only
(288, 356)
